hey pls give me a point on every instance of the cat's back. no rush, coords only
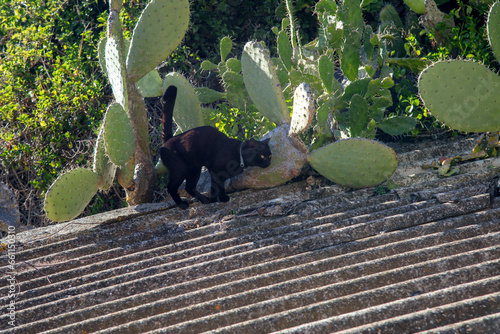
(202, 141)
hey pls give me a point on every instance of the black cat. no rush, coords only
(185, 154)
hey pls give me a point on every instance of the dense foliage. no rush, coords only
(53, 93)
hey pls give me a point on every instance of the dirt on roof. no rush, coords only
(420, 256)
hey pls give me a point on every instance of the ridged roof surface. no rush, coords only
(308, 257)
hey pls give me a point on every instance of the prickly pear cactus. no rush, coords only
(115, 67)
(118, 135)
(70, 193)
(102, 165)
(462, 94)
(122, 148)
(303, 109)
(356, 162)
(262, 83)
(160, 29)
(418, 6)
(150, 84)
(493, 28)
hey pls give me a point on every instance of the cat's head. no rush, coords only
(256, 153)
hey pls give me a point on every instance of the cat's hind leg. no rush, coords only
(174, 182)
(176, 175)
(191, 182)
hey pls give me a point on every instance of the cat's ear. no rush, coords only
(266, 141)
(252, 143)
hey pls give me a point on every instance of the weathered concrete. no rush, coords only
(307, 257)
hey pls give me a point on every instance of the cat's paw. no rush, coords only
(183, 205)
(204, 199)
(224, 198)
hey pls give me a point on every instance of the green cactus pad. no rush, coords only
(115, 68)
(101, 54)
(234, 65)
(207, 65)
(102, 165)
(118, 135)
(237, 95)
(326, 70)
(285, 50)
(150, 84)
(350, 60)
(206, 95)
(159, 30)
(356, 162)
(70, 193)
(358, 115)
(462, 94)
(226, 44)
(187, 110)
(262, 83)
(418, 6)
(493, 27)
(303, 109)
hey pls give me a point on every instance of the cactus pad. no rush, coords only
(70, 193)
(262, 83)
(235, 89)
(493, 27)
(102, 165)
(225, 48)
(285, 50)
(118, 135)
(326, 70)
(462, 94)
(303, 109)
(187, 110)
(150, 84)
(115, 68)
(207, 95)
(418, 6)
(356, 162)
(159, 30)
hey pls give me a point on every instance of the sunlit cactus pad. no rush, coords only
(70, 193)
(159, 30)
(262, 83)
(356, 163)
(118, 135)
(463, 94)
(115, 68)
(303, 109)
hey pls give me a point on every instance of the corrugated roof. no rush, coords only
(308, 257)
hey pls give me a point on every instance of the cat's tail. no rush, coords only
(168, 112)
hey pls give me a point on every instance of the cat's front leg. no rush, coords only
(222, 195)
(217, 190)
